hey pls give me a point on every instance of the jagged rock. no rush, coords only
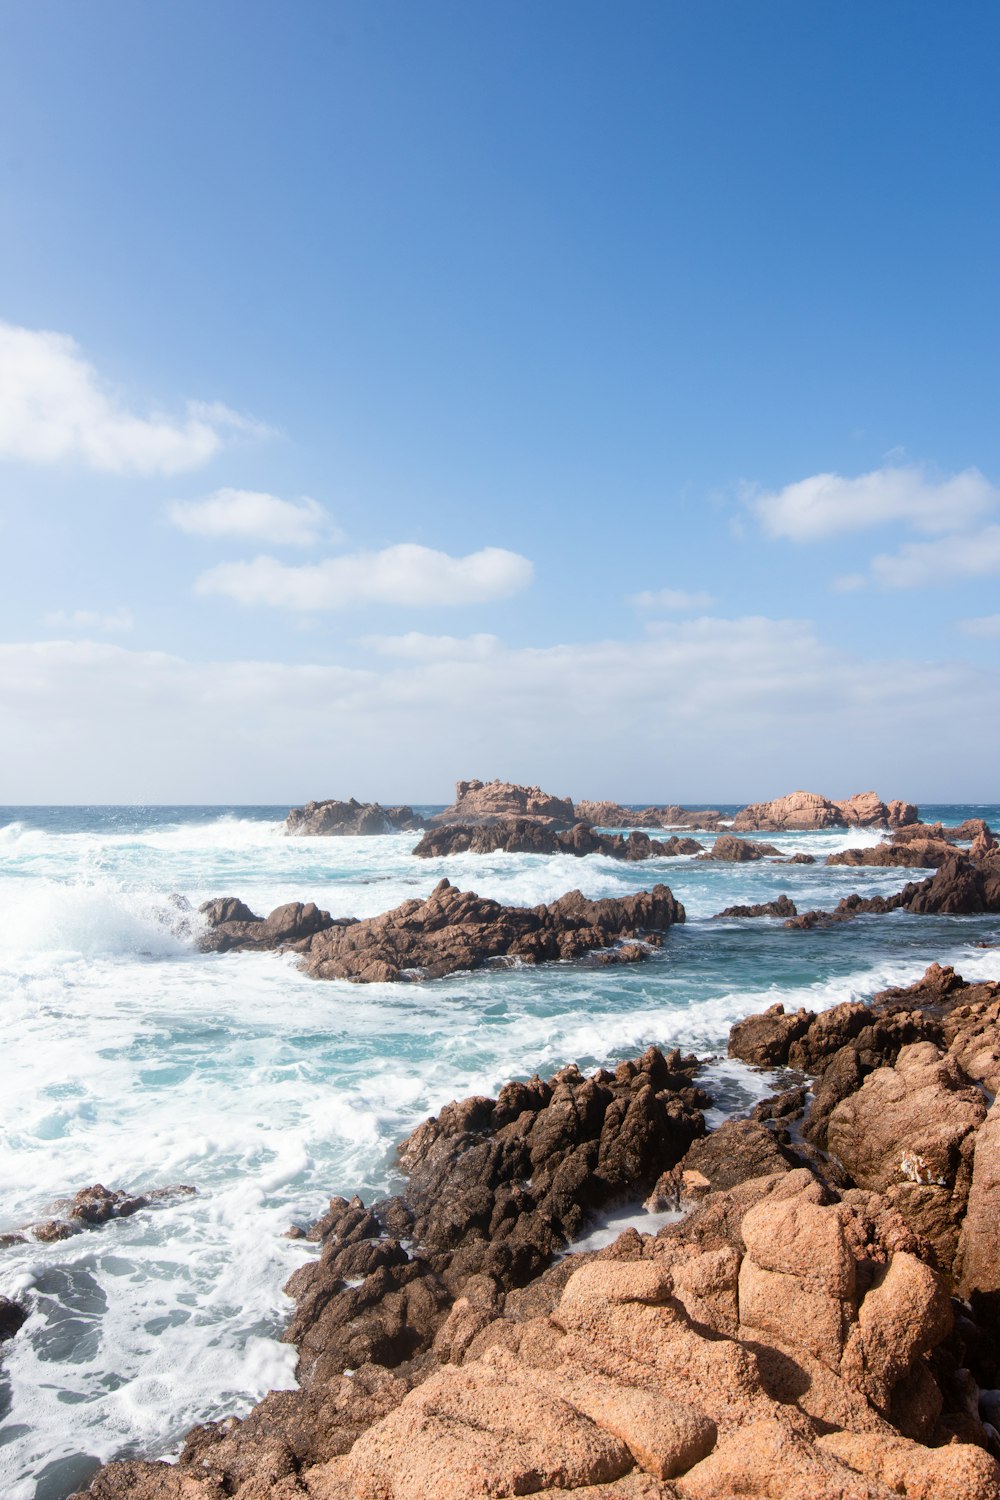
(450, 931)
(529, 836)
(783, 906)
(736, 851)
(351, 819)
(231, 924)
(913, 853)
(613, 815)
(960, 887)
(803, 811)
(93, 1206)
(487, 801)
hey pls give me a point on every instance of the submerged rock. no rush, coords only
(351, 819)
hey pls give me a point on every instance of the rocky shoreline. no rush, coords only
(824, 1321)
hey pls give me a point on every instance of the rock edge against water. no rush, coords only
(821, 1326)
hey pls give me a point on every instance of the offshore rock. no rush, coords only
(614, 815)
(803, 811)
(912, 853)
(93, 1206)
(736, 851)
(782, 906)
(351, 819)
(12, 1317)
(529, 836)
(449, 931)
(487, 801)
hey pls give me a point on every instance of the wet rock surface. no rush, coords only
(734, 851)
(962, 886)
(781, 906)
(451, 930)
(331, 819)
(93, 1206)
(529, 836)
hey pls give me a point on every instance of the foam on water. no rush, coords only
(134, 1060)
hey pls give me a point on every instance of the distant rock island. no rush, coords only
(480, 804)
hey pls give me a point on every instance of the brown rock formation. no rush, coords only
(93, 1206)
(912, 853)
(736, 851)
(613, 815)
(781, 907)
(529, 836)
(961, 887)
(449, 931)
(487, 801)
(333, 819)
(808, 810)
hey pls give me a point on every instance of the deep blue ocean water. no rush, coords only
(131, 1059)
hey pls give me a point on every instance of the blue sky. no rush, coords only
(605, 396)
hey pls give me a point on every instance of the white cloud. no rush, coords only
(55, 408)
(974, 555)
(405, 574)
(674, 599)
(119, 620)
(987, 626)
(415, 646)
(254, 514)
(828, 504)
(655, 718)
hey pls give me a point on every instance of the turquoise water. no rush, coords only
(129, 1058)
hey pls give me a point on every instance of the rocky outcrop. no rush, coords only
(782, 906)
(450, 930)
(614, 815)
(89, 1209)
(899, 1103)
(528, 836)
(734, 851)
(12, 1318)
(334, 819)
(962, 886)
(913, 854)
(802, 811)
(488, 801)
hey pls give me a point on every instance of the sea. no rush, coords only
(129, 1058)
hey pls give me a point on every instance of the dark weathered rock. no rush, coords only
(734, 851)
(782, 906)
(912, 853)
(231, 924)
(960, 887)
(93, 1206)
(529, 836)
(12, 1317)
(453, 930)
(333, 819)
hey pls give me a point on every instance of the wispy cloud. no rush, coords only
(415, 646)
(118, 621)
(976, 554)
(826, 505)
(406, 574)
(986, 626)
(255, 515)
(56, 408)
(672, 599)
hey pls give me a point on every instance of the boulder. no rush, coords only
(333, 819)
